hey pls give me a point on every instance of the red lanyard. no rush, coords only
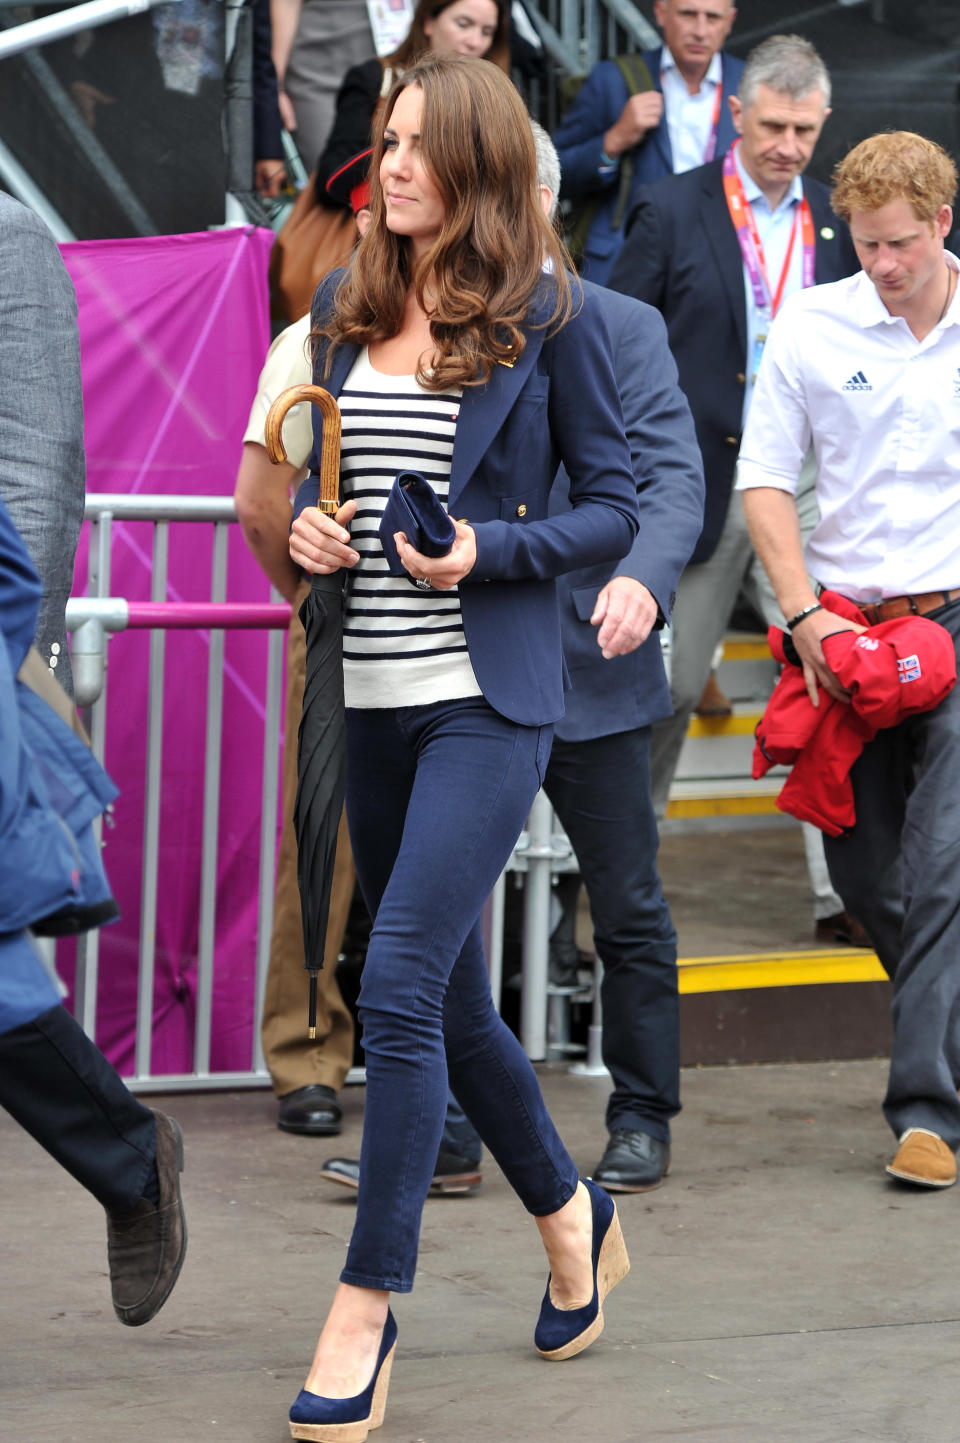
(741, 213)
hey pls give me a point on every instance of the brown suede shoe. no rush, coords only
(146, 1247)
(923, 1159)
(712, 701)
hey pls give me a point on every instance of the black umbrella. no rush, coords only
(321, 744)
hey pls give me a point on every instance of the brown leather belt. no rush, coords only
(897, 606)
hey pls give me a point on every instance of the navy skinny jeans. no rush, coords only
(436, 798)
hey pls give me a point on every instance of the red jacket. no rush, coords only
(893, 670)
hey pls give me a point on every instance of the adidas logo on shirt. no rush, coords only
(858, 382)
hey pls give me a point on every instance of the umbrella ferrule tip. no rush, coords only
(312, 1033)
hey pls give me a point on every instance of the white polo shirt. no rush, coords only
(883, 412)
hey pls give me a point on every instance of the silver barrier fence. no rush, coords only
(541, 852)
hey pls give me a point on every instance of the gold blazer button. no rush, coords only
(521, 510)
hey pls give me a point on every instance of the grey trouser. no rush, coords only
(898, 873)
(706, 595)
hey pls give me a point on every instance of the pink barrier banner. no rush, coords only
(173, 333)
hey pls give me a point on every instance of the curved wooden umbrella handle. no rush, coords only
(330, 447)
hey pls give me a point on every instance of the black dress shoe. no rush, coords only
(453, 1174)
(633, 1162)
(146, 1247)
(312, 1110)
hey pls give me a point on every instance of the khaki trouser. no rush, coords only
(294, 1061)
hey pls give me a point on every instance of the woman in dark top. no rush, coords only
(446, 27)
(458, 345)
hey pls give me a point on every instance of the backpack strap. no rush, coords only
(636, 74)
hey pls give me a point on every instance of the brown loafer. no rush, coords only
(923, 1159)
(146, 1247)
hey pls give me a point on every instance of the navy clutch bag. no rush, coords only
(413, 508)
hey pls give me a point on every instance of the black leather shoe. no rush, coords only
(312, 1110)
(146, 1247)
(633, 1162)
(453, 1175)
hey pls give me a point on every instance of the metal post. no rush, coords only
(151, 817)
(536, 929)
(86, 974)
(594, 1064)
(492, 919)
(268, 828)
(211, 813)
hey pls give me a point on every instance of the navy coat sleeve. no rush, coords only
(581, 421)
(621, 693)
(579, 138)
(663, 446)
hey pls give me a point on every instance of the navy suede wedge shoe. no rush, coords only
(347, 1420)
(565, 1333)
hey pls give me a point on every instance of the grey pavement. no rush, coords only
(782, 1290)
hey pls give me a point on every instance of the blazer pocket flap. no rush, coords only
(584, 601)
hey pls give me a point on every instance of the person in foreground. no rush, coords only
(452, 349)
(867, 368)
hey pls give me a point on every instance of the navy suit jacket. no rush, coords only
(557, 403)
(682, 255)
(630, 691)
(579, 141)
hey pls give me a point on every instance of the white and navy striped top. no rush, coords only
(401, 646)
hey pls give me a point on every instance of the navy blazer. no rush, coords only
(682, 255)
(579, 141)
(630, 691)
(557, 403)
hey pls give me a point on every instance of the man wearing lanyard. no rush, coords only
(716, 250)
(869, 370)
(684, 121)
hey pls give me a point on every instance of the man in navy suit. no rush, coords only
(613, 142)
(717, 284)
(598, 778)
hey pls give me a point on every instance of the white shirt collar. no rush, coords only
(871, 311)
(714, 75)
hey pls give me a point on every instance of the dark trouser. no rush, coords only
(62, 1090)
(898, 873)
(600, 791)
(436, 798)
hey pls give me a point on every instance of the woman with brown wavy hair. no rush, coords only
(458, 346)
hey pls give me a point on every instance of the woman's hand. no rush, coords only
(321, 543)
(440, 572)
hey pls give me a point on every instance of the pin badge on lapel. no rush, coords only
(827, 232)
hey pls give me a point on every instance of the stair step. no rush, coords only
(778, 969)
(740, 724)
(720, 798)
(746, 646)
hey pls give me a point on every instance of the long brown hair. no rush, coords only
(416, 43)
(485, 270)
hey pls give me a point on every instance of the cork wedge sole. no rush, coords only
(357, 1431)
(613, 1264)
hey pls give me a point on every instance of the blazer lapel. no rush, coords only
(722, 240)
(483, 410)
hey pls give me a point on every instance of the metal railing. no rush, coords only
(575, 34)
(92, 619)
(541, 852)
